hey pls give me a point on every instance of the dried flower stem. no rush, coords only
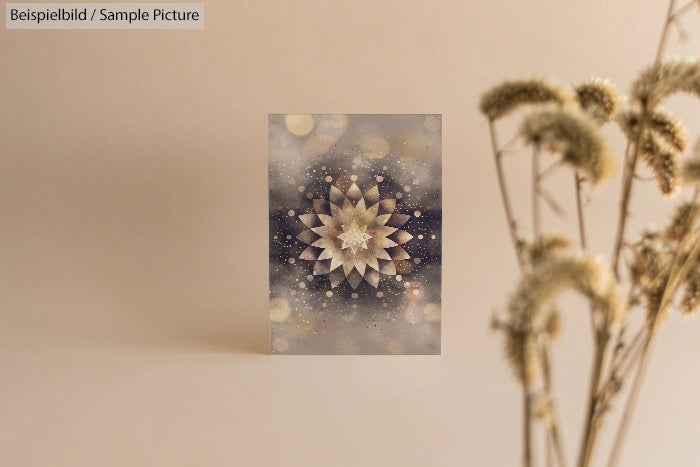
(536, 213)
(676, 276)
(512, 226)
(527, 427)
(579, 211)
(670, 16)
(553, 437)
(590, 431)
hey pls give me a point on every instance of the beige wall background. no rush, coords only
(133, 238)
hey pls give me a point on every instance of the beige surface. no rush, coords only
(133, 242)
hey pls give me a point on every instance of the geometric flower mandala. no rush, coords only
(354, 236)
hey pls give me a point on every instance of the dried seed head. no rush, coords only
(598, 99)
(669, 128)
(691, 293)
(683, 220)
(653, 254)
(508, 96)
(657, 82)
(530, 309)
(574, 135)
(661, 123)
(691, 172)
(544, 246)
(664, 162)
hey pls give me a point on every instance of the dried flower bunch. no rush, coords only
(663, 266)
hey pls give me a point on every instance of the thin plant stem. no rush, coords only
(536, 213)
(512, 226)
(579, 211)
(590, 431)
(664, 33)
(553, 438)
(676, 276)
(527, 427)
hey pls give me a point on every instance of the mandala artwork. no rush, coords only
(355, 234)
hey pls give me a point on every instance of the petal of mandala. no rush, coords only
(326, 220)
(336, 196)
(386, 243)
(308, 237)
(382, 219)
(326, 254)
(401, 236)
(368, 216)
(387, 267)
(310, 253)
(372, 278)
(335, 209)
(372, 262)
(322, 206)
(383, 254)
(336, 263)
(371, 196)
(354, 279)
(398, 253)
(360, 266)
(360, 206)
(348, 267)
(336, 277)
(397, 220)
(354, 193)
(387, 206)
(322, 267)
(380, 231)
(323, 242)
(310, 220)
(328, 231)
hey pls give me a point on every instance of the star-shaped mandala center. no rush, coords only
(354, 237)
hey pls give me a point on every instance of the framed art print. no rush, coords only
(355, 214)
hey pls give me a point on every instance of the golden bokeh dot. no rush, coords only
(417, 213)
(329, 179)
(280, 344)
(279, 310)
(299, 124)
(399, 195)
(417, 260)
(292, 182)
(407, 188)
(411, 316)
(420, 236)
(375, 147)
(291, 213)
(432, 312)
(302, 285)
(399, 278)
(309, 195)
(431, 123)
(380, 294)
(329, 294)
(292, 260)
(353, 178)
(433, 237)
(354, 295)
(395, 347)
(380, 178)
(301, 188)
